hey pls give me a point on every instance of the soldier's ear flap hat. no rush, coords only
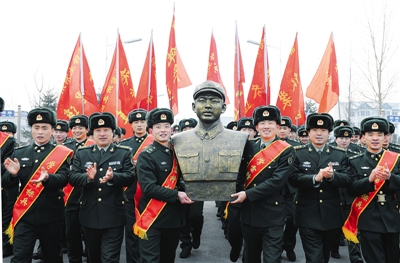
(301, 132)
(341, 123)
(209, 87)
(293, 128)
(267, 113)
(176, 128)
(8, 126)
(391, 128)
(184, 123)
(62, 125)
(42, 115)
(362, 123)
(79, 120)
(232, 125)
(1, 104)
(137, 114)
(319, 120)
(356, 130)
(245, 122)
(376, 125)
(102, 120)
(343, 131)
(159, 115)
(286, 121)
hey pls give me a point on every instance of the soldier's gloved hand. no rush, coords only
(91, 171)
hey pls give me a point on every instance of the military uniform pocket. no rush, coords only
(189, 162)
(228, 161)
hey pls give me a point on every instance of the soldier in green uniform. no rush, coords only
(60, 133)
(375, 178)
(320, 170)
(44, 167)
(79, 125)
(343, 135)
(137, 119)
(102, 170)
(160, 214)
(265, 168)
(7, 143)
(289, 236)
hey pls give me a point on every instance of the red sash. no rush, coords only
(263, 158)
(350, 227)
(149, 140)
(69, 188)
(31, 192)
(154, 207)
(3, 138)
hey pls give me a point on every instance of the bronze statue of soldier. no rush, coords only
(209, 155)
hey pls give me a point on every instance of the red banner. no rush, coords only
(238, 81)
(77, 97)
(290, 98)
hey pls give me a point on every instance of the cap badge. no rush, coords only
(39, 117)
(283, 122)
(77, 121)
(163, 117)
(266, 113)
(186, 122)
(346, 134)
(139, 115)
(320, 122)
(247, 123)
(4, 127)
(100, 122)
(58, 127)
(375, 126)
(234, 128)
(341, 124)
(304, 134)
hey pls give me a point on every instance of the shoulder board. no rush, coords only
(338, 148)
(67, 142)
(356, 156)
(395, 146)
(21, 147)
(123, 147)
(124, 140)
(351, 151)
(86, 147)
(298, 147)
(150, 149)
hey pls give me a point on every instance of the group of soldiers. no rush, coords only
(271, 179)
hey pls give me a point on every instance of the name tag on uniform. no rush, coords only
(87, 164)
(114, 163)
(306, 164)
(163, 163)
(334, 163)
(24, 159)
(365, 167)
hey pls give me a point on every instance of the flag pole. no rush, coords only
(81, 73)
(150, 64)
(238, 69)
(117, 79)
(265, 68)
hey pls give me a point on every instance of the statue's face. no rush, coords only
(208, 107)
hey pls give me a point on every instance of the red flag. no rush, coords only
(146, 96)
(259, 93)
(213, 67)
(118, 95)
(176, 76)
(290, 98)
(77, 96)
(324, 88)
(238, 81)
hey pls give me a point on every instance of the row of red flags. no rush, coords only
(118, 96)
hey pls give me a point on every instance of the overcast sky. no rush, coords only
(38, 37)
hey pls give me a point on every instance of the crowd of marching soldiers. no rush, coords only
(330, 190)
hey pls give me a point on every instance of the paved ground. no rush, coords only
(215, 248)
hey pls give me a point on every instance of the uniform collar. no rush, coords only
(139, 139)
(374, 156)
(39, 148)
(162, 147)
(210, 134)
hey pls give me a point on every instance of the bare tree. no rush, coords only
(375, 70)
